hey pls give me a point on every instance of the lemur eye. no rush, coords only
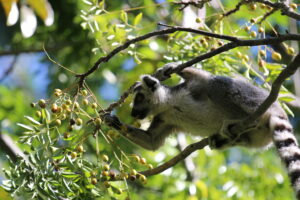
(139, 97)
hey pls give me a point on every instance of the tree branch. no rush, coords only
(287, 72)
(182, 155)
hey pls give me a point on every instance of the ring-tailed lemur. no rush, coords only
(205, 105)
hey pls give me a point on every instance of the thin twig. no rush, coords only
(237, 8)
(266, 15)
(285, 10)
(9, 69)
(197, 4)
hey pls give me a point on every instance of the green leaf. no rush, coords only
(273, 66)
(33, 121)
(137, 59)
(26, 127)
(287, 109)
(286, 98)
(69, 175)
(124, 17)
(137, 19)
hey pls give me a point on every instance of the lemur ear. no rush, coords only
(150, 82)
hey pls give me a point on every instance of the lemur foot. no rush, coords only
(164, 72)
(112, 120)
(218, 141)
(225, 130)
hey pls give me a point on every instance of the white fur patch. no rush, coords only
(294, 166)
(297, 184)
(284, 136)
(287, 152)
(160, 95)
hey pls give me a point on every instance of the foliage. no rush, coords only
(72, 154)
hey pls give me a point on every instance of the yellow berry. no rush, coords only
(143, 161)
(63, 116)
(80, 148)
(150, 166)
(293, 6)
(261, 30)
(57, 122)
(269, 8)
(57, 94)
(65, 106)
(105, 173)
(205, 44)
(78, 122)
(73, 154)
(143, 178)
(239, 54)
(136, 158)
(133, 172)
(202, 40)
(94, 181)
(98, 121)
(261, 63)
(291, 51)
(262, 53)
(84, 92)
(262, 6)
(106, 184)
(76, 104)
(68, 102)
(32, 104)
(198, 20)
(57, 90)
(253, 6)
(66, 135)
(38, 113)
(85, 102)
(276, 56)
(105, 158)
(68, 111)
(106, 167)
(247, 28)
(94, 105)
(253, 34)
(93, 173)
(246, 58)
(252, 20)
(54, 108)
(42, 103)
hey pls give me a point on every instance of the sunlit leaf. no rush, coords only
(137, 19)
(25, 126)
(124, 16)
(28, 21)
(40, 7)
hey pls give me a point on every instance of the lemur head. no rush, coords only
(148, 95)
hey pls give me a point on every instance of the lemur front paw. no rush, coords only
(164, 72)
(112, 120)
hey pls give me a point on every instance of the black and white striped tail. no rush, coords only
(288, 149)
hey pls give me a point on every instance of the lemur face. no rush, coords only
(142, 103)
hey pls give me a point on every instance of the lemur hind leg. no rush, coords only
(226, 138)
